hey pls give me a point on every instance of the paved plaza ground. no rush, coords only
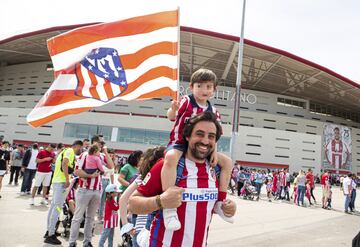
(258, 223)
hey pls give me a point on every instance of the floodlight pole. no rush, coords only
(236, 114)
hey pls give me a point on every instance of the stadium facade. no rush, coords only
(290, 107)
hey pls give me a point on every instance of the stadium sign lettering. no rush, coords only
(225, 95)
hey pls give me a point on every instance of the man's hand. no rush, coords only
(23, 168)
(48, 158)
(229, 208)
(171, 198)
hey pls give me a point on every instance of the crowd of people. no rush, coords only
(180, 185)
(166, 195)
(249, 181)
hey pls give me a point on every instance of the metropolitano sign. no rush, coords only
(222, 94)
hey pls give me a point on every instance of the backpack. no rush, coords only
(70, 169)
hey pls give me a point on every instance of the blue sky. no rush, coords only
(323, 31)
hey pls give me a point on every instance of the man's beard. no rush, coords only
(202, 154)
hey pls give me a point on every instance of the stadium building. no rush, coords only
(291, 109)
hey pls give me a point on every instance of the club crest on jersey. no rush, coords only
(212, 173)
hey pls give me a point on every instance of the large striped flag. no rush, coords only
(131, 59)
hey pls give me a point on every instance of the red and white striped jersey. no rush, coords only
(187, 109)
(282, 178)
(196, 210)
(89, 183)
(111, 217)
(71, 195)
(337, 153)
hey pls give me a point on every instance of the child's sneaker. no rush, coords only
(32, 201)
(219, 211)
(171, 220)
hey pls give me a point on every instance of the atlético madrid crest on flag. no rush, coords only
(100, 75)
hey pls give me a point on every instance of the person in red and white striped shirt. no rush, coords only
(88, 194)
(337, 152)
(195, 197)
(111, 217)
(203, 85)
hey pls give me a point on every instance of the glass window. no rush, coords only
(105, 131)
(223, 144)
(82, 131)
(291, 103)
(153, 137)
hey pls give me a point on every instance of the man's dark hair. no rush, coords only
(60, 145)
(52, 145)
(203, 75)
(336, 128)
(204, 117)
(350, 175)
(86, 140)
(95, 138)
(35, 146)
(20, 145)
(77, 142)
(134, 158)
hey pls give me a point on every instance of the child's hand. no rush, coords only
(214, 159)
(175, 105)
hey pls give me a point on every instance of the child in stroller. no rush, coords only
(248, 191)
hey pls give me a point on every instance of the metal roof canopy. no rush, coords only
(264, 68)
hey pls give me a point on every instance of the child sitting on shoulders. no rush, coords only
(203, 86)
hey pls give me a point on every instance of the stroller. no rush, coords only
(126, 240)
(248, 191)
(65, 219)
(125, 235)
